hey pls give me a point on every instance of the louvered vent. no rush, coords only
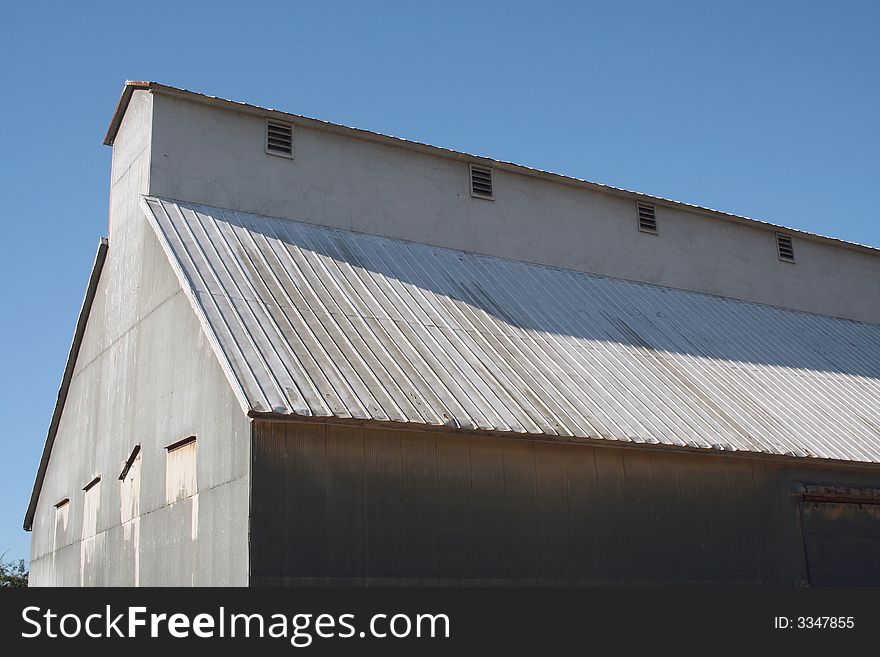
(647, 218)
(481, 182)
(279, 138)
(784, 247)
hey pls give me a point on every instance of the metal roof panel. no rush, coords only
(317, 321)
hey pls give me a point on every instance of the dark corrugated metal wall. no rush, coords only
(350, 505)
(842, 542)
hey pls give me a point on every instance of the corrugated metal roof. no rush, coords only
(315, 321)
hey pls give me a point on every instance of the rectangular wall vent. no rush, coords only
(784, 247)
(647, 218)
(481, 182)
(279, 138)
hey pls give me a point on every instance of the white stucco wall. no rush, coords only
(145, 374)
(216, 156)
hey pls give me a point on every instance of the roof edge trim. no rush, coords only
(294, 418)
(121, 106)
(190, 294)
(66, 378)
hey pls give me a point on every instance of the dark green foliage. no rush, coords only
(12, 575)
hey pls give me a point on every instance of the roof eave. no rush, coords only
(121, 107)
(804, 461)
(67, 377)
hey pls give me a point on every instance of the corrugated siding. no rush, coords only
(374, 506)
(316, 321)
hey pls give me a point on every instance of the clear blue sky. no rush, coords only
(768, 109)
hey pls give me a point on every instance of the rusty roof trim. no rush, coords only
(121, 106)
(67, 377)
(439, 151)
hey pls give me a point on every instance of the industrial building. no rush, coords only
(311, 354)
